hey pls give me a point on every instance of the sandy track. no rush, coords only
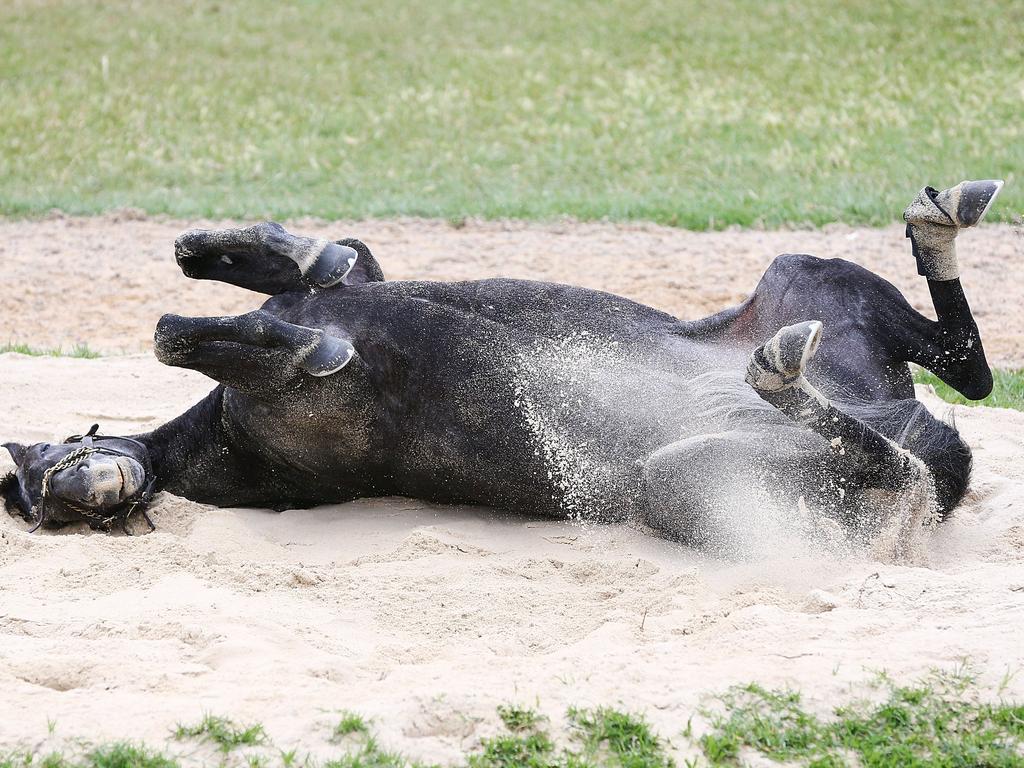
(426, 618)
(105, 281)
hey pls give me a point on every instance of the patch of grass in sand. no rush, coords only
(79, 350)
(596, 738)
(350, 724)
(599, 737)
(370, 755)
(939, 721)
(1007, 389)
(699, 115)
(117, 755)
(518, 718)
(611, 737)
(222, 732)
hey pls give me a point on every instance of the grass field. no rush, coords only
(1007, 389)
(692, 114)
(941, 720)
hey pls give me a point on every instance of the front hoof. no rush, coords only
(331, 265)
(189, 250)
(170, 341)
(329, 355)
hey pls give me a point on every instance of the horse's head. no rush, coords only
(88, 478)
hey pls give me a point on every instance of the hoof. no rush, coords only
(976, 197)
(961, 206)
(190, 252)
(934, 219)
(329, 355)
(782, 359)
(170, 340)
(331, 265)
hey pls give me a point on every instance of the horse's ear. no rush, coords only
(17, 451)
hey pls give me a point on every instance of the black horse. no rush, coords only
(544, 398)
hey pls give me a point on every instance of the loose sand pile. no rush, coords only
(426, 618)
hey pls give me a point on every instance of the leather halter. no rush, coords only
(96, 517)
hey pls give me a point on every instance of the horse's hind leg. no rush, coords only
(873, 331)
(862, 455)
(951, 348)
(269, 259)
(255, 352)
(728, 491)
(693, 488)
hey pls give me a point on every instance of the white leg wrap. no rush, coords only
(935, 218)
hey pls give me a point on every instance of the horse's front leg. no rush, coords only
(256, 353)
(269, 259)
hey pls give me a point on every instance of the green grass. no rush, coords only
(1007, 389)
(224, 733)
(350, 724)
(518, 719)
(79, 350)
(938, 722)
(692, 114)
(117, 755)
(597, 738)
(942, 720)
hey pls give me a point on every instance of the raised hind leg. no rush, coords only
(255, 353)
(269, 259)
(951, 347)
(862, 456)
(872, 331)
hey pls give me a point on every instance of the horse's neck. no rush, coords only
(191, 454)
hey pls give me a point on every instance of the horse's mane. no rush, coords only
(8, 483)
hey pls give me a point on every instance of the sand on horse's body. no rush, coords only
(563, 417)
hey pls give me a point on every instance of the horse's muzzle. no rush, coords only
(99, 481)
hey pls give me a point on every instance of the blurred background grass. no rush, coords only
(687, 113)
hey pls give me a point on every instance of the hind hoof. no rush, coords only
(331, 266)
(330, 355)
(976, 197)
(957, 207)
(782, 359)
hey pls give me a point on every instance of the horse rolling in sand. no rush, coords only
(544, 398)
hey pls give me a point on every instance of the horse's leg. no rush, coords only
(268, 259)
(728, 491)
(862, 455)
(692, 488)
(872, 332)
(951, 347)
(255, 352)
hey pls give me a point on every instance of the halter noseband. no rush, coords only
(137, 502)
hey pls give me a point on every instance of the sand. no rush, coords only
(426, 618)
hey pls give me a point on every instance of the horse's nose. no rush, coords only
(100, 480)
